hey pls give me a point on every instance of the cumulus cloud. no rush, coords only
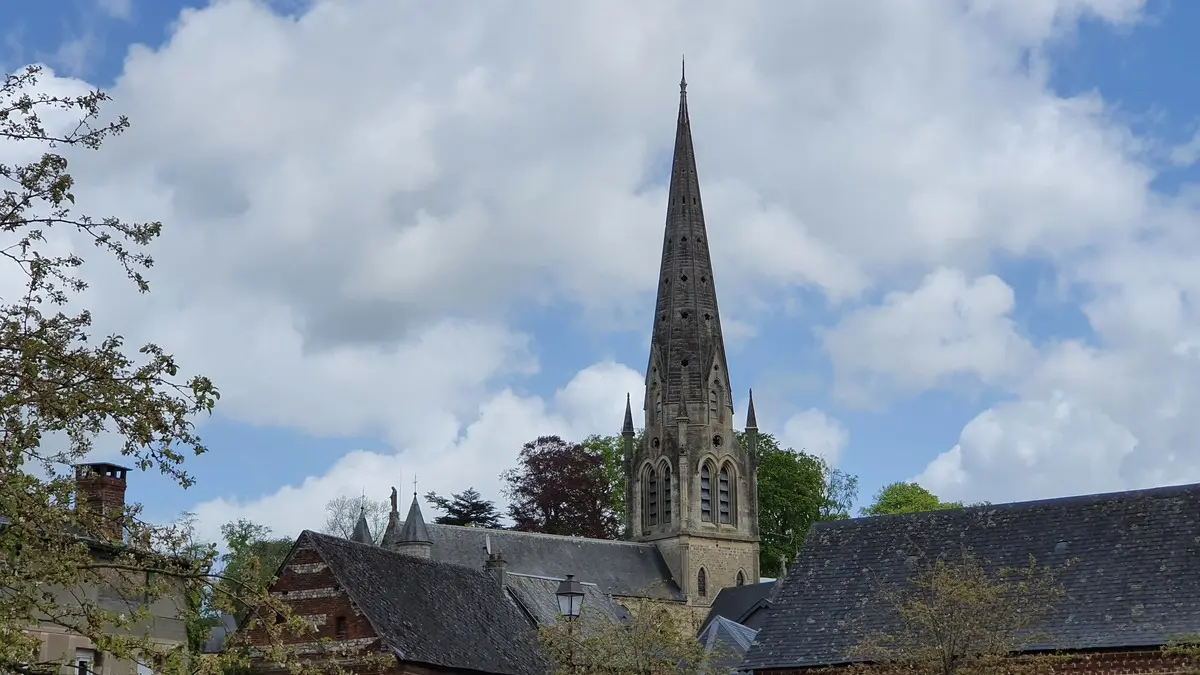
(816, 433)
(359, 198)
(592, 402)
(949, 326)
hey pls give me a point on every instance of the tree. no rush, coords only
(612, 449)
(901, 497)
(795, 490)
(341, 515)
(955, 617)
(61, 388)
(253, 557)
(560, 488)
(656, 641)
(465, 508)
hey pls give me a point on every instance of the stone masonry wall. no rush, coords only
(721, 562)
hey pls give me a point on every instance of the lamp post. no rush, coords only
(570, 604)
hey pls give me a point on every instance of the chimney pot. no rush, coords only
(497, 566)
(100, 490)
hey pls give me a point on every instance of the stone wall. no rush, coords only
(721, 560)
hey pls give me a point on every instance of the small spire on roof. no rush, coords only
(751, 421)
(627, 428)
(414, 529)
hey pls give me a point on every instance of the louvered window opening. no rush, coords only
(723, 495)
(705, 494)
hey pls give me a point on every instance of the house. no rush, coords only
(100, 487)
(422, 616)
(1133, 584)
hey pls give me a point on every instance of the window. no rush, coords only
(705, 494)
(666, 506)
(85, 662)
(701, 583)
(723, 494)
(339, 628)
(652, 498)
(712, 404)
(741, 578)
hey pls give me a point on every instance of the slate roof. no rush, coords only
(536, 595)
(736, 603)
(414, 530)
(618, 568)
(1135, 581)
(433, 613)
(725, 642)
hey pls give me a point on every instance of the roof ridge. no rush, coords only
(429, 562)
(1160, 491)
(570, 537)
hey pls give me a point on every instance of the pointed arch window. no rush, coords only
(702, 583)
(741, 578)
(706, 493)
(666, 494)
(651, 498)
(712, 403)
(724, 495)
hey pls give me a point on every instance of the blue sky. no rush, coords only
(1138, 68)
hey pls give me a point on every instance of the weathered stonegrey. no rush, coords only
(676, 475)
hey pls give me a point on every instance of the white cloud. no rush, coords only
(117, 9)
(949, 326)
(355, 202)
(816, 433)
(592, 402)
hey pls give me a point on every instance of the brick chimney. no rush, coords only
(497, 566)
(100, 490)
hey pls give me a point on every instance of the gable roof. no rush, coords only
(737, 602)
(618, 568)
(725, 643)
(1135, 581)
(431, 612)
(537, 596)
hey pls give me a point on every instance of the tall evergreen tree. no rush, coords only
(465, 508)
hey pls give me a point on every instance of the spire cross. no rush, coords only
(414, 485)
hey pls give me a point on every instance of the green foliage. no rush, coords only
(795, 490)
(62, 387)
(657, 641)
(467, 508)
(252, 557)
(612, 449)
(901, 497)
(955, 617)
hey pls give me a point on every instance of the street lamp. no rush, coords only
(570, 598)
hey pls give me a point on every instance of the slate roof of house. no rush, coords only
(736, 602)
(618, 568)
(1135, 580)
(725, 642)
(536, 595)
(433, 613)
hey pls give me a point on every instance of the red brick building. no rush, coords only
(1132, 587)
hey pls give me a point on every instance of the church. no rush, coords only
(691, 490)
(447, 598)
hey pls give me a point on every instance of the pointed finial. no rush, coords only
(627, 428)
(683, 74)
(751, 421)
(414, 485)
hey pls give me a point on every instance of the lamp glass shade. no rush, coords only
(570, 597)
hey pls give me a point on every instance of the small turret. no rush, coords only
(413, 538)
(362, 531)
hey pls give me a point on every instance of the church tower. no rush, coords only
(691, 488)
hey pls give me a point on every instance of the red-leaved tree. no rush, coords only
(559, 487)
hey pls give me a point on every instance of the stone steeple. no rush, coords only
(691, 487)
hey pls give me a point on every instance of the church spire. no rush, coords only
(627, 427)
(686, 343)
